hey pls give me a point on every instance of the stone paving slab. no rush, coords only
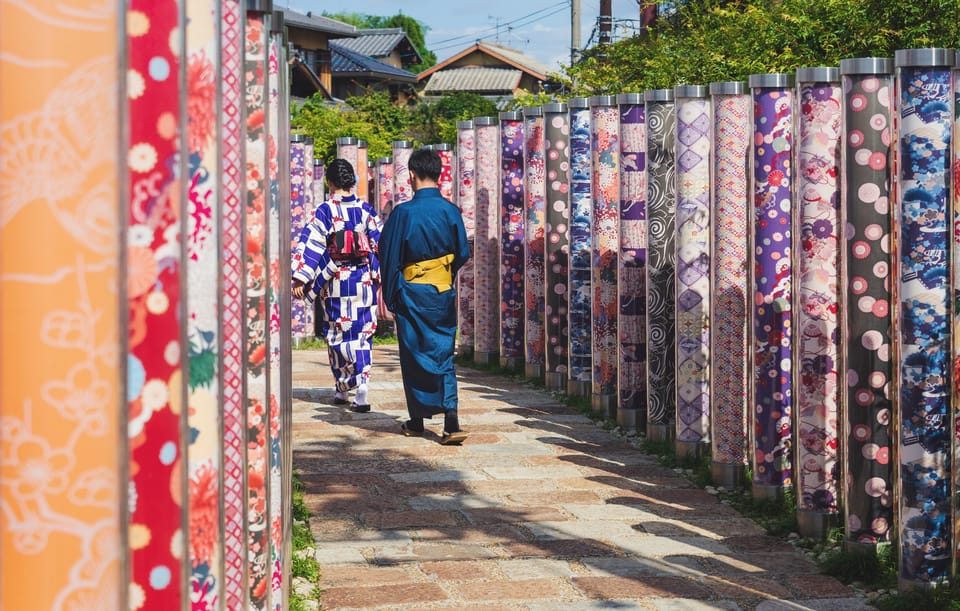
(540, 509)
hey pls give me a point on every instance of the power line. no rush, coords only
(515, 25)
(473, 36)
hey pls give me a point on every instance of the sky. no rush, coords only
(538, 28)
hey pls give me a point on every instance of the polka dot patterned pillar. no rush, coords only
(510, 201)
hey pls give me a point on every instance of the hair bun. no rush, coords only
(341, 174)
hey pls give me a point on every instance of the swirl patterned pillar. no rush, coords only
(466, 191)
(867, 268)
(446, 184)
(384, 197)
(363, 171)
(692, 296)
(581, 210)
(402, 191)
(486, 344)
(631, 274)
(771, 331)
(534, 192)
(661, 260)
(817, 225)
(605, 240)
(556, 125)
(511, 240)
(730, 254)
(348, 148)
(925, 115)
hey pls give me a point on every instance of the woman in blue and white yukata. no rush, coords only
(335, 261)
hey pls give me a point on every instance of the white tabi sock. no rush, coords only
(361, 398)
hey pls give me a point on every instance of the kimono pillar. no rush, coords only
(299, 216)
(580, 352)
(445, 152)
(347, 148)
(486, 339)
(363, 171)
(817, 226)
(534, 191)
(955, 288)
(556, 124)
(692, 297)
(925, 115)
(384, 198)
(771, 330)
(661, 260)
(511, 240)
(729, 258)
(605, 240)
(402, 191)
(632, 375)
(62, 378)
(866, 357)
(466, 191)
(318, 181)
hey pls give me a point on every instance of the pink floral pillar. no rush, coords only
(446, 184)
(347, 148)
(510, 200)
(486, 344)
(363, 171)
(534, 191)
(384, 199)
(309, 205)
(556, 124)
(466, 191)
(402, 191)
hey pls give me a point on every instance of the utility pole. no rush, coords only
(606, 22)
(574, 31)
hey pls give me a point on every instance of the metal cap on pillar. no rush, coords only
(346, 140)
(511, 115)
(298, 138)
(464, 124)
(728, 88)
(867, 65)
(925, 58)
(402, 144)
(533, 111)
(658, 95)
(443, 146)
(557, 107)
(478, 121)
(775, 80)
(260, 6)
(603, 100)
(317, 161)
(384, 160)
(277, 24)
(361, 144)
(820, 74)
(630, 98)
(578, 103)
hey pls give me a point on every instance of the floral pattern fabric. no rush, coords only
(486, 246)
(350, 152)
(535, 191)
(446, 175)
(605, 246)
(557, 242)
(402, 190)
(511, 239)
(466, 200)
(581, 225)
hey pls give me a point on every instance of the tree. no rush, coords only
(436, 122)
(415, 31)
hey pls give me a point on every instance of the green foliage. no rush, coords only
(436, 122)
(415, 30)
(717, 40)
(873, 569)
(943, 597)
(305, 566)
(524, 98)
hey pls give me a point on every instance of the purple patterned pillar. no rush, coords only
(466, 191)
(771, 214)
(955, 278)
(384, 197)
(319, 187)
(632, 383)
(692, 296)
(729, 306)
(402, 191)
(535, 192)
(866, 355)
(486, 346)
(925, 119)
(817, 226)
(580, 351)
(556, 125)
(348, 148)
(605, 247)
(511, 240)
(309, 205)
(298, 217)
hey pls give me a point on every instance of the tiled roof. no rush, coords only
(349, 63)
(518, 58)
(475, 79)
(509, 57)
(318, 23)
(380, 43)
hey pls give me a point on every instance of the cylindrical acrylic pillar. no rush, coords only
(348, 148)
(925, 114)
(605, 240)
(445, 152)
(771, 331)
(534, 192)
(363, 173)
(298, 218)
(319, 188)
(384, 199)
(867, 269)
(730, 257)
(692, 296)
(581, 225)
(466, 191)
(631, 274)
(556, 124)
(310, 202)
(402, 191)
(661, 261)
(955, 287)
(486, 340)
(817, 263)
(511, 240)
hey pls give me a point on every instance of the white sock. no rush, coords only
(361, 398)
(340, 395)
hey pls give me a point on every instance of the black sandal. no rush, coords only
(360, 409)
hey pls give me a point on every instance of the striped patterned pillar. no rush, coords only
(866, 356)
(730, 256)
(632, 380)
(204, 262)
(580, 351)
(363, 171)
(771, 215)
(384, 197)
(511, 240)
(445, 152)
(661, 260)
(466, 191)
(402, 191)
(692, 297)
(817, 225)
(605, 249)
(535, 192)
(486, 345)
(556, 125)
(925, 117)
(347, 148)
(62, 399)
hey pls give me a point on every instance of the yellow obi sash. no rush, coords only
(432, 271)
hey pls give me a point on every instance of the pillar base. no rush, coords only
(512, 363)
(692, 449)
(465, 352)
(605, 405)
(660, 432)
(578, 388)
(556, 381)
(485, 358)
(631, 420)
(767, 492)
(727, 475)
(533, 370)
(864, 549)
(297, 341)
(815, 524)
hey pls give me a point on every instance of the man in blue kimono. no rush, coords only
(422, 246)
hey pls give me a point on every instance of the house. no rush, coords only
(487, 69)
(356, 74)
(311, 59)
(390, 45)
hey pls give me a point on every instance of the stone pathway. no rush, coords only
(540, 509)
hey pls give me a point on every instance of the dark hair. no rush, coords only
(341, 174)
(426, 164)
